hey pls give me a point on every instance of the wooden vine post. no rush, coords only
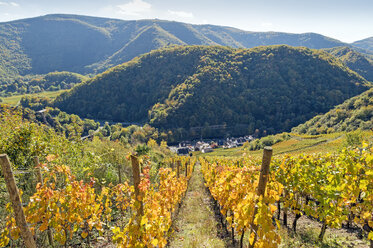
(178, 168)
(279, 209)
(285, 214)
(40, 180)
(120, 173)
(136, 181)
(263, 179)
(16, 202)
(186, 169)
(38, 170)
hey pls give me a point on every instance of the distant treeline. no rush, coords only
(50, 82)
(73, 126)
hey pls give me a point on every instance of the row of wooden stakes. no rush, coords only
(16, 202)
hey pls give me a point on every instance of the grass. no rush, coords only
(13, 100)
(195, 224)
(232, 152)
(308, 238)
(320, 143)
(295, 145)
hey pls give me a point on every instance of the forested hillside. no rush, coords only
(90, 44)
(52, 81)
(354, 113)
(270, 88)
(354, 60)
(365, 44)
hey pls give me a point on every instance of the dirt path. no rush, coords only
(195, 225)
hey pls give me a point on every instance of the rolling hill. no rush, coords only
(366, 44)
(354, 60)
(85, 44)
(354, 113)
(189, 88)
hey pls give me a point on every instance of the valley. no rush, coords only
(157, 133)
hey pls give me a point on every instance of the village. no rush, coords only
(208, 145)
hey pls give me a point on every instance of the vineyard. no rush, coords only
(333, 189)
(134, 216)
(62, 195)
(166, 124)
(58, 195)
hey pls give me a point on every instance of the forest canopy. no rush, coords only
(355, 113)
(271, 88)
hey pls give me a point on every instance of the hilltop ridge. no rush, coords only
(271, 88)
(85, 44)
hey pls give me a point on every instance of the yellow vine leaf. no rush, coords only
(155, 242)
(84, 235)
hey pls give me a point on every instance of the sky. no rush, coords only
(345, 20)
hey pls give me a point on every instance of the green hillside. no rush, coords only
(53, 43)
(52, 81)
(354, 60)
(365, 44)
(187, 88)
(90, 44)
(354, 113)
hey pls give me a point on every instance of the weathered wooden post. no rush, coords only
(264, 171)
(232, 229)
(263, 179)
(178, 169)
(136, 181)
(40, 180)
(38, 170)
(186, 169)
(279, 210)
(285, 214)
(120, 173)
(16, 202)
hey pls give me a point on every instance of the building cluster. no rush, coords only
(205, 146)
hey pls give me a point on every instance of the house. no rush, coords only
(214, 145)
(199, 145)
(207, 149)
(182, 151)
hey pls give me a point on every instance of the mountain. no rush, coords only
(366, 44)
(354, 60)
(189, 88)
(85, 44)
(354, 113)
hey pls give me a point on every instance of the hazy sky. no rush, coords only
(346, 20)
